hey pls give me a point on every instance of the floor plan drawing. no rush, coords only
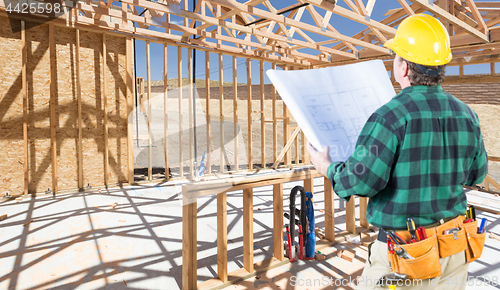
(331, 105)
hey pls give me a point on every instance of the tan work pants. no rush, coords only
(454, 270)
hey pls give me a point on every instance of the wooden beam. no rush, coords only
(287, 147)
(477, 16)
(208, 164)
(406, 7)
(25, 105)
(329, 210)
(248, 229)
(222, 236)
(105, 110)
(350, 215)
(452, 19)
(165, 110)
(249, 113)
(363, 203)
(181, 134)
(309, 185)
(286, 134)
(53, 97)
(191, 113)
(278, 222)
(262, 118)
(79, 105)
(189, 244)
(150, 116)
(235, 114)
(275, 121)
(492, 68)
(221, 113)
(461, 70)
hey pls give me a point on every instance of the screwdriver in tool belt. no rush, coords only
(410, 224)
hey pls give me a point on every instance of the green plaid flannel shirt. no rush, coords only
(412, 158)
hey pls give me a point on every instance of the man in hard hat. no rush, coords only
(414, 154)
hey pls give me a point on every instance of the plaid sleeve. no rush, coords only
(479, 167)
(368, 169)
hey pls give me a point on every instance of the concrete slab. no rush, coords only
(78, 241)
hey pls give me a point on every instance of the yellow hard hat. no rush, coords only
(422, 39)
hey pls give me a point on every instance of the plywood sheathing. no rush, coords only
(38, 82)
(66, 108)
(116, 73)
(11, 109)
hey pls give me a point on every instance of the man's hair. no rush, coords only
(418, 78)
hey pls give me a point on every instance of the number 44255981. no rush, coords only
(34, 8)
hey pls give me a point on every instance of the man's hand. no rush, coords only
(320, 160)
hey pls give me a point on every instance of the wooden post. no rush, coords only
(130, 108)
(350, 217)
(222, 236)
(53, 121)
(303, 147)
(329, 210)
(208, 162)
(278, 221)
(309, 184)
(248, 229)
(275, 122)
(25, 105)
(235, 114)
(105, 110)
(363, 203)
(262, 118)
(249, 112)
(189, 241)
(191, 115)
(165, 110)
(179, 83)
(492, 68)
(286, 131)
(149, 118)
(221, 116)
(297, 149)
(461, 70)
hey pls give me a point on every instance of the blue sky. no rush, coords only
(343, 25)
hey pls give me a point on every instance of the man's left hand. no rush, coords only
(320, 160)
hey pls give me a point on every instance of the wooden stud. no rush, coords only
(286, 131)
(262, 118)
(221, 114)
(350, 216)
(53, 121)
(191, 113)
(208, 162)
(492, 68)
(181, 137)
(235, 114)
(363, 203)
(165, 110)
(275, 121)
(248, 229)
(329, 210)
(222, 236)
(25, 105)
(150, 115)
(105, 110)
(461, 70)
(249, 112)
(130, 108)
(302, 147)
(278, 221)
(297, 149)
(189, 244)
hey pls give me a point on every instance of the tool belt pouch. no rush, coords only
(425, 263)
(450, 244)
(475, 241)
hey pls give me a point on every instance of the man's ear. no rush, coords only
(405, 68)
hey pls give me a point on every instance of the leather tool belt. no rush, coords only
(420, 260)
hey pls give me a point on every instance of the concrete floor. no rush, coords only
(78, 241)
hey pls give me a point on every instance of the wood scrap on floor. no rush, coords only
(494, 236)
(27, 223)
(2, 217)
